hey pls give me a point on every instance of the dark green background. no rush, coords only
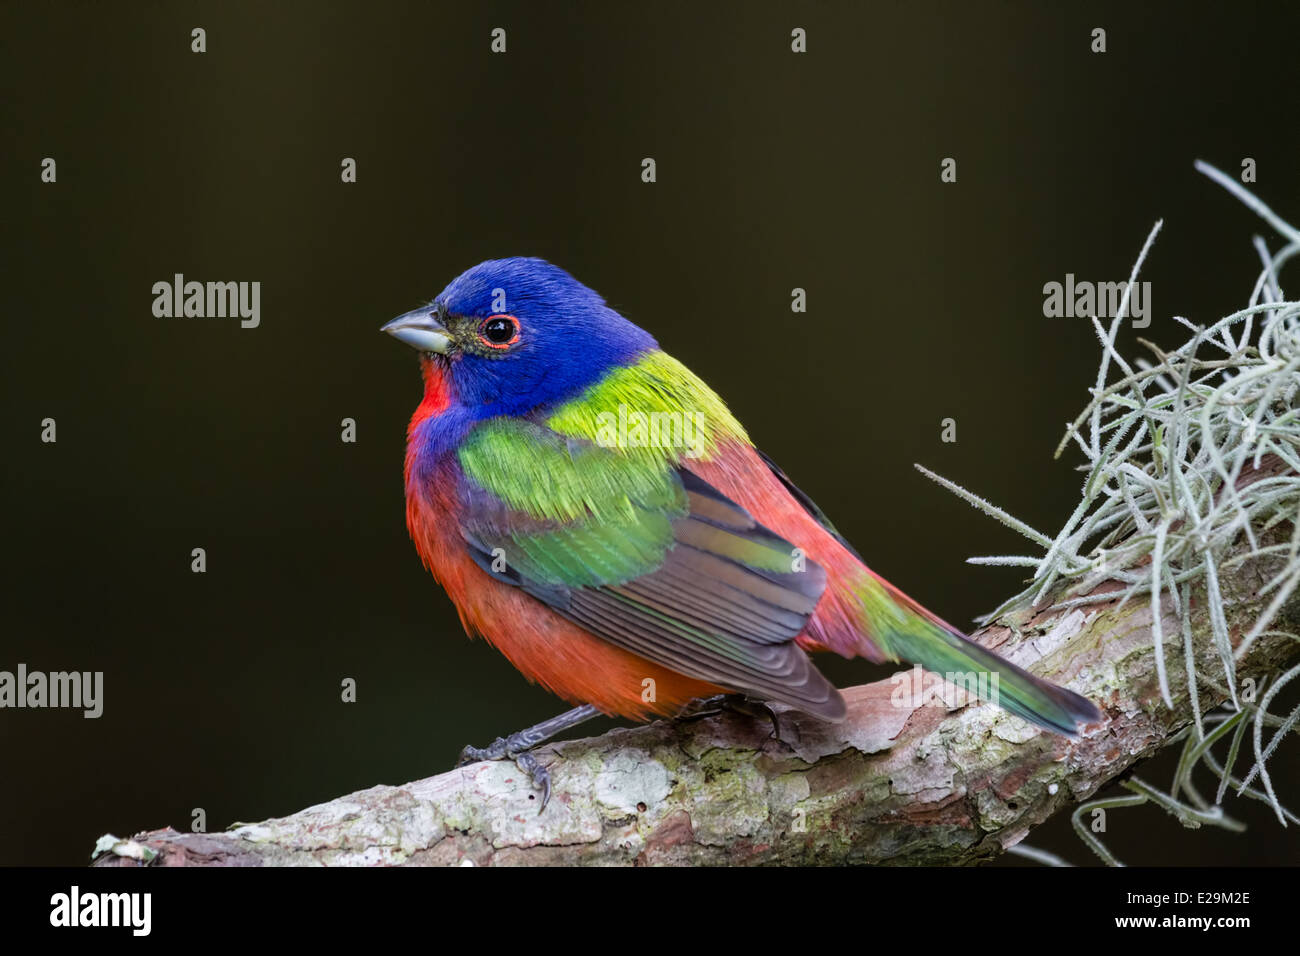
(775, 170)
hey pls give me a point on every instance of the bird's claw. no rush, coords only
(519, 746)
(758, 709)
(737, 703)
(494, 751)
(516, 748)
(540, 776)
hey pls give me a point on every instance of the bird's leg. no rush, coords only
(737, 703)
(518, 745)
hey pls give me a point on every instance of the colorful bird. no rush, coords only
(596, 513)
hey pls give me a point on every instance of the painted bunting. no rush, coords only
(595, 512)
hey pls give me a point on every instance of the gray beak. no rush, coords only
(420, 330)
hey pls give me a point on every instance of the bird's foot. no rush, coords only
(516, 747)
(519, 746)
(736, 703)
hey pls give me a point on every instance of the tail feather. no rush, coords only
(904, 630)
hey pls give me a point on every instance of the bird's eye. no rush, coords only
(499, 331)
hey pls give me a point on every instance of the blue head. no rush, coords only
(517, 334)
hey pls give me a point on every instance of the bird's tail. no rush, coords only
(903, 630)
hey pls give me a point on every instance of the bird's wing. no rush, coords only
(645, 555)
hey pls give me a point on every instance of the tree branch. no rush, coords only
(899, 781)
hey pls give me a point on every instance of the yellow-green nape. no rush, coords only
(656, 409)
